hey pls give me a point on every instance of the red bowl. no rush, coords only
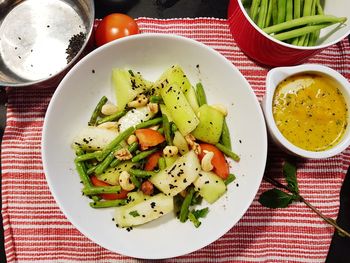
(261, 47)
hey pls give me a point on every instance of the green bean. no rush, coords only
(225, 138)
(108, 203)
(143, 155)
(149, 123)
(97, 111)
(281, 16)
(306, 40)
(316, 19)
(289, 10)
(274, 12)
(269, 14)
(161, 130)
(319, 8)
(228, 152)
(230, 179)
(102, 166)
(312, 36)
(173, 127)
(254, 9)
(132, 148)
(135, 181)
(113, 144)
(141, 173)
(95, 198)
(185, 206)
(300, 31)
(79, 152)
(161, 163)
(156, 99)
(306, 12)
(84, 178)
(319, 11)
(87, 156)
(201, 97)
(262, 13)
(91, 170)
(194, 220)
(95, 190)
(296, 8)
(167, 130)
(113, 117)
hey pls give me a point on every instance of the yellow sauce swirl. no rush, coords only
(310, 111)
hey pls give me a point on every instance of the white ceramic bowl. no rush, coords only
(277, 75)
(151, 54)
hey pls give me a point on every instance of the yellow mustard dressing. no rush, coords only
(310, 111)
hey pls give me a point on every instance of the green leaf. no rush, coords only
(276, 198)
(134, 213)
(200, 213)
(290, 173)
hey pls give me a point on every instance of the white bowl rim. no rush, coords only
(318, 47)
(129, 38)
(270, 90)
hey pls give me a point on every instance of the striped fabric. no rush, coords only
(37, 231)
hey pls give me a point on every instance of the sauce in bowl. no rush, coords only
(310, 111)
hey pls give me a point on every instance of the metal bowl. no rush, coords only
(41, 39)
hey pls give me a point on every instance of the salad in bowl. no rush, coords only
(161, 149)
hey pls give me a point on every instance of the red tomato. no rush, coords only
(115, 26)
(152, 161)
(122, 195)
(148, 138)
(221, 167)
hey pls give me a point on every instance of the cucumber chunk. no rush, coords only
(210, 186)
(175, 75)
(210, 124)
(144, 211)
(93, 138)
(127, 85)
(180, 110)
(177, 177)
(111, 175)
(180, 142)
(134, 117)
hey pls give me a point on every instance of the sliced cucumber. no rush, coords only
(175, 75)
(166, 112)
(177, 177)
(134, 117)
(169, 160)
(93, 138)
(210, 186)
(179, 109)
(210, 124)
(111, 175)
(127, 85)
(180, 142)
(144, 211)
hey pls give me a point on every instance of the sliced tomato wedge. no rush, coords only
(149, 138)
(152, 161)
(96, 182)
(219, 162)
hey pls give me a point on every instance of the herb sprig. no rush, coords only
(276, 198)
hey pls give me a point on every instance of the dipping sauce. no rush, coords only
(310, 111)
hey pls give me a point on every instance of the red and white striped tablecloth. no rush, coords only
(37, 231)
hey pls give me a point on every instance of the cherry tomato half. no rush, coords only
(115, 26)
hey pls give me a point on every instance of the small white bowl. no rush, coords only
(274, 77)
